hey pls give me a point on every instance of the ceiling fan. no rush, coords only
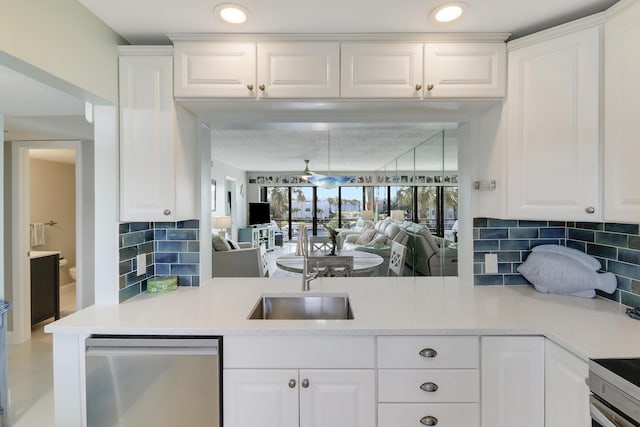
(307, 172)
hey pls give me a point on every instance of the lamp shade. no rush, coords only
(366, 215)
(221, 222)
(397, 215)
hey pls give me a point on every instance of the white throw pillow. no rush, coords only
(219, 244)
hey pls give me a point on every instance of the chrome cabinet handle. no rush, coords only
(292, 383)
(429, 387)
(261, 87)
(590, 210)
(428, 420)
(428, 352)
(167, 212)
(418, 87)
(250, 86)
(305, 383)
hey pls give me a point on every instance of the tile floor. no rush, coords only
(31, 372)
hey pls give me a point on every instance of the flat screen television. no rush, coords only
(259, 213)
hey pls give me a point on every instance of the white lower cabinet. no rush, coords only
(288, 381)
(566, 389)
(512, 381)
(430, 414)
(305, 398)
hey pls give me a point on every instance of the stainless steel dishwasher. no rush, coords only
(159, 381)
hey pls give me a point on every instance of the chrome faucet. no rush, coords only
(301, 250)
(306, 276)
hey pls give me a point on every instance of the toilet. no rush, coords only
(72, 272)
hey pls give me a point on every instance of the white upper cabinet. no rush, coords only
(215, 70)
(464, 70)
(298, 70)
(247, 70)
(158, 144)
(621, 124)
(381, 70)
(553, 131)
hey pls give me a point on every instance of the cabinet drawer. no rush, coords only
(446, 414)
(449, 352)
(404, 385)
(340, 352)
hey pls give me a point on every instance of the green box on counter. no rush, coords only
(162, 284)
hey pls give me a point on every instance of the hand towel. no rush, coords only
(37, 234)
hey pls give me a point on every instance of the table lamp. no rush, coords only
(366, 215)
(221, 223)
(397, 215)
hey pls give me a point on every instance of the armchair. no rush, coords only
(241, 262)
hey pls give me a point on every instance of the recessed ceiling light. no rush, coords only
(232, 13)
(448, 12)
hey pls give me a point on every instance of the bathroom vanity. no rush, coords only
(45, 285)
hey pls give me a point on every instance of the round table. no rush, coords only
(363, 262)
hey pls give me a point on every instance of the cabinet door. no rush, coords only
(379, 70)
(147, 184)
(566, 389)
(464, 70)
(211, 69)
(337, 398)
(298, 70)
(264, 397)
(621, 124)
(512, 381)
(553, 129)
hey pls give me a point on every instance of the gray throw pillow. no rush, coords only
(219, 244)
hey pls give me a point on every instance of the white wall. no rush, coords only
(62, 44)
(220, 172)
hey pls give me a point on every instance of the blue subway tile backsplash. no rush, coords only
(615, 245)
(171, 248)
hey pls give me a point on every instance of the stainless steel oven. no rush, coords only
(160, 381)
(615, 388)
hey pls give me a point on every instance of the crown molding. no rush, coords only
(363, 37)
(145, 50)
(560, 30)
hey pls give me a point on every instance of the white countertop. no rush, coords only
(589, 328)
(41, 254)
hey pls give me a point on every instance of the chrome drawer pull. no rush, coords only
(428, 420)
(429, 387)
(292, 383)
(428, 352)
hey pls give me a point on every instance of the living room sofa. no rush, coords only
(359, 226)
(381, 234)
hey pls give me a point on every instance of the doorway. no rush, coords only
(23, 216)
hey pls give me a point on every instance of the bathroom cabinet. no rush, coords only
(45, 288)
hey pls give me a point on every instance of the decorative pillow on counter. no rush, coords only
(219, 244)
(561, 270)
(365, 237)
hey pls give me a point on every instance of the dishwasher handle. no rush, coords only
(151, 346)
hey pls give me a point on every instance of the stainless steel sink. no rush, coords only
(302, 307)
